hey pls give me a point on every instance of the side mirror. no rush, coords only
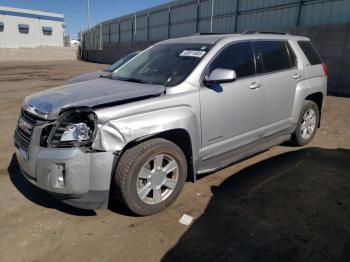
(220, 76)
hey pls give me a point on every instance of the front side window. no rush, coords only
(310, 52)
(239, 57)
(163, 64)
(2, 26)
(23, 28)
(272, 56)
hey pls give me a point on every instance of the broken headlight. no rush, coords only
(74, 128)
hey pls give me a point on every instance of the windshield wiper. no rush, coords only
(130, 79)
(109, 76)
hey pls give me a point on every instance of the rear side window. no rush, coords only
(239, 57)
(310, 52)
(272, 56)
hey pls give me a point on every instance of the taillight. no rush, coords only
(325, 69)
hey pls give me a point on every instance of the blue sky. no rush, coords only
(75, 11)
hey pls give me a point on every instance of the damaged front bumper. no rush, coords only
(75, 176)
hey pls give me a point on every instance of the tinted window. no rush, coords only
(273, 55)
(310, 52)
(239, 57)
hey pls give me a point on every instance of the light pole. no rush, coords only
(88, 13)
(212, 15)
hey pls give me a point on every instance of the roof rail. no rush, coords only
(253, 31)
(210, 34)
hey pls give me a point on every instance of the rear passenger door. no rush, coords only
(276, 61)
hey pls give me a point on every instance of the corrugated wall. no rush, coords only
(186, 17)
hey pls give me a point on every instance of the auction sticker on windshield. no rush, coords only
(193, 53)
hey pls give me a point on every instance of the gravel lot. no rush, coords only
(287, 204)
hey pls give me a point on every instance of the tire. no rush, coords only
(145, 166)
(299, 137)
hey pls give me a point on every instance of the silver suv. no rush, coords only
(180, 108)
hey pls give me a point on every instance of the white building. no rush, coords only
(30, 28)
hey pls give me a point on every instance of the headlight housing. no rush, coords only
(74, 128)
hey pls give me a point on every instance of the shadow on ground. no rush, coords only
(292, 207)
(38, 196)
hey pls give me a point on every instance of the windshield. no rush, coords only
(120, 62)
(163, 64)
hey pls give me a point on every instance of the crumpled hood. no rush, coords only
(88, 94)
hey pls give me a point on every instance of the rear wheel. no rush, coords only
(307, 124)
(150, 176)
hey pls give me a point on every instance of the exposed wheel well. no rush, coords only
(180, 137)
(318, 99)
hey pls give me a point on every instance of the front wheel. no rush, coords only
(307, 124)
(150, 176)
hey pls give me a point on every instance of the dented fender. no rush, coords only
(115, 134)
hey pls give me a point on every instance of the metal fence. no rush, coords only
(185, 17)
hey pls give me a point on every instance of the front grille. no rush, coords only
(23, 137)
(56, 137)
(21, 140)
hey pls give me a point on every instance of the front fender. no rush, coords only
(115, 134)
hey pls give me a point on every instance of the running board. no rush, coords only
(240, 154)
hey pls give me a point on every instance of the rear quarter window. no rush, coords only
(310, 52)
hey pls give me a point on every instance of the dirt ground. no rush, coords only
(287, 204)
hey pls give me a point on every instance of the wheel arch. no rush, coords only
(178, 136)
(317, 98)
(311, 90)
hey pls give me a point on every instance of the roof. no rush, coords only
(11, 11)
(214, 38)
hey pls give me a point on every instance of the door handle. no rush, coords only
(255, 85)
(296, 76)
